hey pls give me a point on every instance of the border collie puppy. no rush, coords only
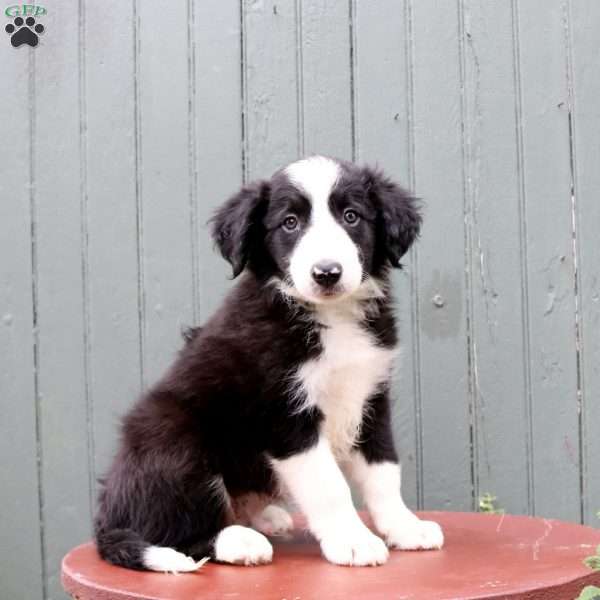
(282, 393)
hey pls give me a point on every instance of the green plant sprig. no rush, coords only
(487, 505)
(591, 592)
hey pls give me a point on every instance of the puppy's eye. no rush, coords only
(290, 223)
(351, 217)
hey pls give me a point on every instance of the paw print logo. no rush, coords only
(24, 32)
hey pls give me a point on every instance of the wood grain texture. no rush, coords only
(216, 127)
(111, 220)
(444, 308)
(550, 269)
(23, 546)
(324, 46)
(61, 370)
(584, 20)
(497, 344)
(163, 184)
(273, 127)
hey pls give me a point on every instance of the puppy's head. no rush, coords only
(325, 229)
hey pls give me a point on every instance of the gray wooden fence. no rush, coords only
(131, 121)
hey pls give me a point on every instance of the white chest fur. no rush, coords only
(343, 377)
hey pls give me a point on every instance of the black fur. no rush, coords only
(398, 215)
(225, 405)
(238, 228)
(190, 333)
(376, 441)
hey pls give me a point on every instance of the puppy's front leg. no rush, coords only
(374, 467)
(379, 483)
(317, 485)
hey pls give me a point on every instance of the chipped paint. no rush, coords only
(537, 544)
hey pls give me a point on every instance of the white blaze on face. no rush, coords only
(324, 240)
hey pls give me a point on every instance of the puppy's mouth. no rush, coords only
(315, 294)
(326, 294)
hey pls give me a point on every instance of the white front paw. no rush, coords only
(354, 547)
(414, 534)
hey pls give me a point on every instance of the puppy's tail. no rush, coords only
(126, 548)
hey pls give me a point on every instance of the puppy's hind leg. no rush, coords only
(242, 546)
(235, 543)
(259, 512)
(170, 529)
(273, 520)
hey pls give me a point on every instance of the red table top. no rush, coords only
(485, 556)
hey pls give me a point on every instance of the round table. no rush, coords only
(485, 556)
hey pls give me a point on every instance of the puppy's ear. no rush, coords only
(399, 214)
(237, 227)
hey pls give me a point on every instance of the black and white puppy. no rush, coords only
(282, 392)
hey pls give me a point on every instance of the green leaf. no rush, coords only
(592, 562)
(487, 504)
(591, 592)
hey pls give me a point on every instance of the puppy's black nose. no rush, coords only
(326, 273)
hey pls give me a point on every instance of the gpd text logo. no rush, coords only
(24, 29)
(24, 10)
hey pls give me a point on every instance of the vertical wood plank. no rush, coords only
(547, 187)
(586, 129)
(498, 346)
(216, 128)
(60, 310)
(271, 86)
(326, 94)
(163, 188)
(20, 527)
(111, 223)
(443, 294)
(384, 137)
